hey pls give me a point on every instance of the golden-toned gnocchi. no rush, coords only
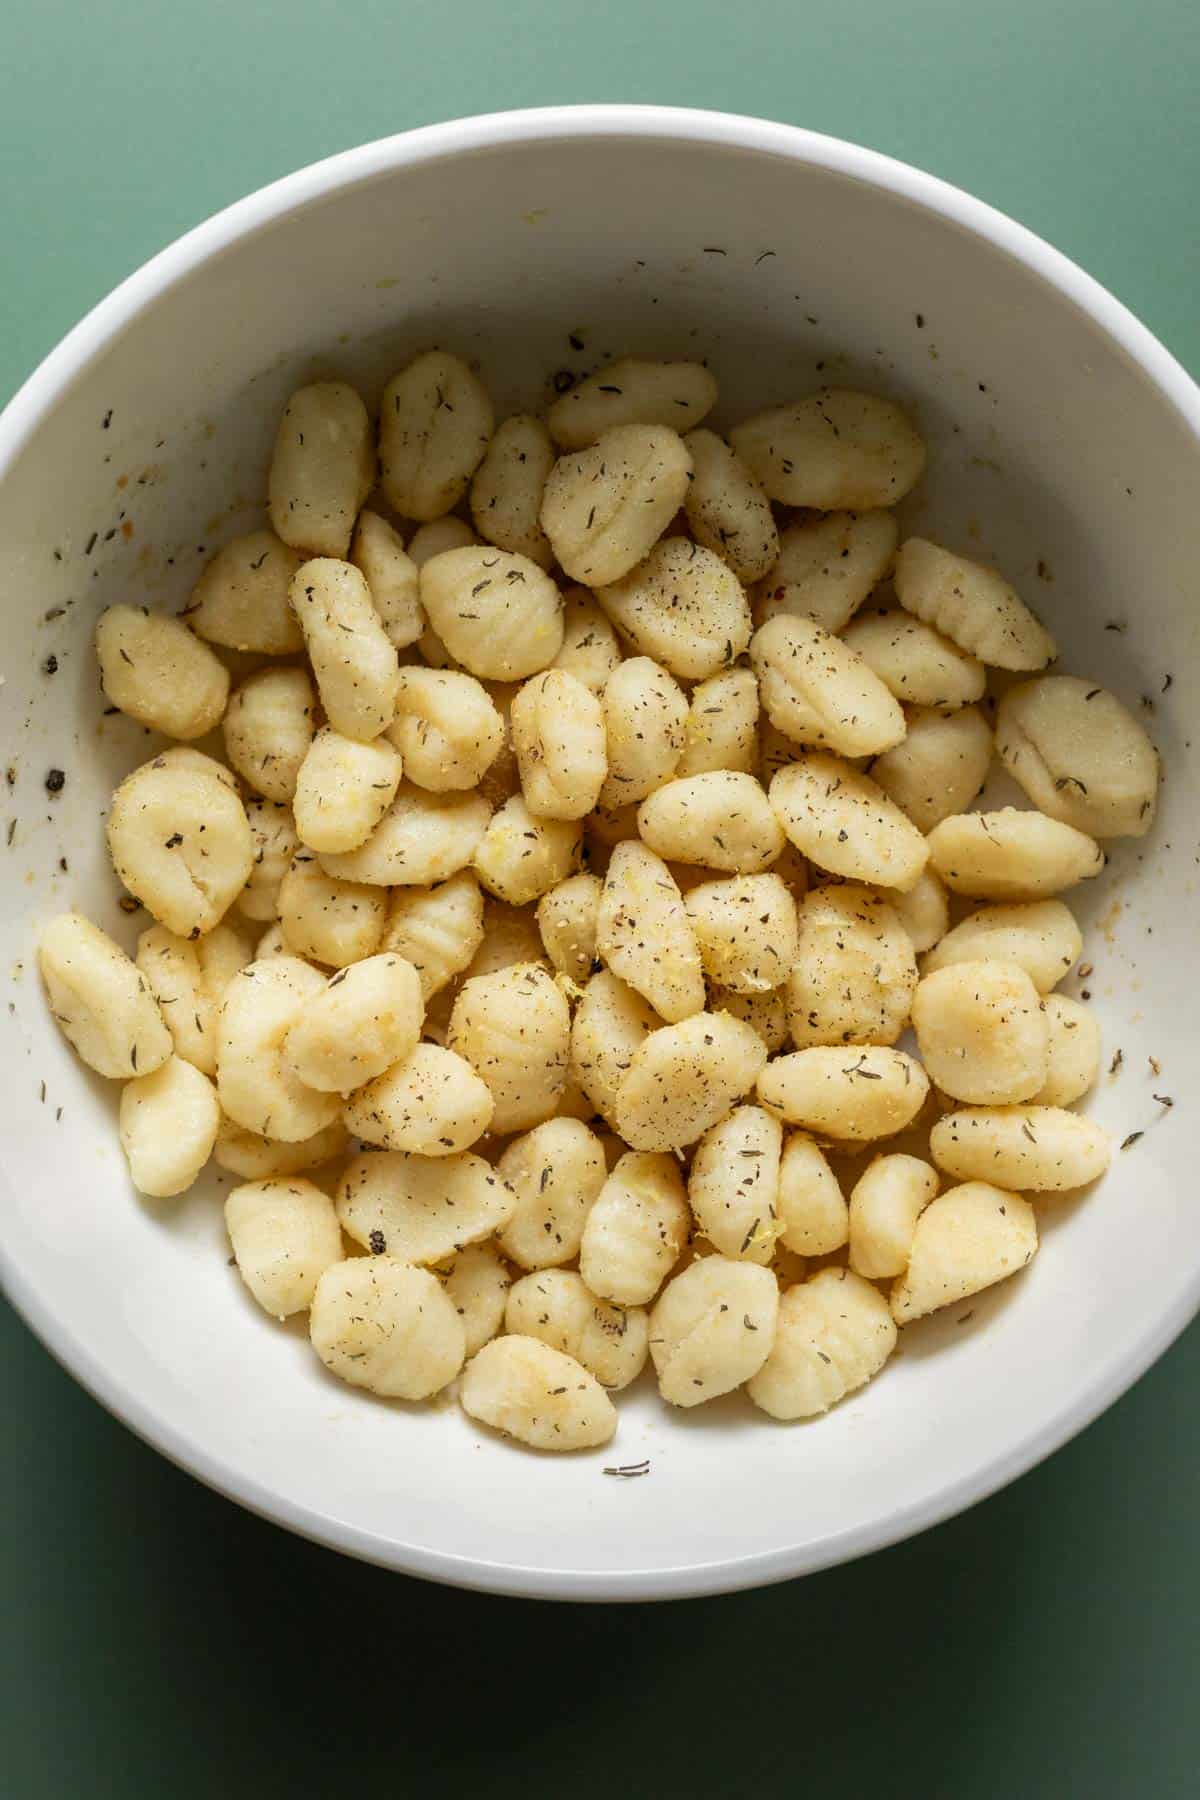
(497, 613)
(605, 507)
(683, 607)
(1043, 1148)
(683, 1078)
(632, 391)
(722, 725)
(158, 673)
(733, 1184)
(422, 839)
(421, 1208)
(343, 789)
(643, 933)
(352, 656)
(446, 728)
(326, 920)
(966, 1240)
(1042, 936)
(241, 599)
(432, 1103)
(611, 1021)
(746, 930)
(567, 918)
(322, 468)
(379, 1323)
(645, 723)
(982, 1032)
(268, 730)
(635, 1229)
(590, 650)
(828, 563)
(834, 1335)
(520, 856)
(914, 662)
(168, 1126)
(1080, 755)
(885, 1204)
(727, 510)
(1072, 1051)
(284, 1233)
(556, 1171)
(858, 1092)
(1011, 854)
(841, 821)
(819, 691)
(939, 767)
(557, 1307)
(438, 929)
(834, 450)
(506, 494)
(854, 969)
(722, 820)
(435, 424)
(514, 1028)
(188, 978)
(365, 1020)
(180, 841)
(972, 605)
(392, 577)
(256, 1085)
(559, 737)
(712, 1329)
(537, 1395)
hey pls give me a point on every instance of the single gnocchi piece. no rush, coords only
(683, 1078)
(643, 933)
(559, 737)
(422, 839)
(746, 930)
(273, 828)
(168, 1126)
(914, 662)
(514, 1028)
(567, 917)
(1042, 936)
(712, 1329)
(497, 613)
(326, 920)
(434, 538)
(817, 690)
(322, 468)
(722, 725)
(557, 1307)
(284, 1233)
(343, 789)
(506, 494)
(605, 508)
(1043, 1148)
(435, 424)
(477, 1286)
(366, 1020)
(537, 1395)
(966, 1240)
(841, 821)
(352, 658)
(421, 1208)
(611, 1021)
(683, 607)
(733, 1184)
(520, 857)
(433, 1103)
(827, 565)
(632, 391)
(727, 510)
(510, 935)
(381, 1324)
(721, 820)
(939, 767)
(924, 911)
(854, 971)
(813, 1216)
(982, 1032)
(764, 1013)
(446, 728)
(834, 1335)
(972, 605)
(1072, 1052)
(181, 843)
(885, 1204)
(255, 1082)
(590, 650)
(188, 979)
(1080, 755)
(858, 1092)
(635, 1229)
(392, 576)
(1011, 854)
(438, 929)
(645, 723)
(269, 729)
(158, 673)
(252, 1157)
(556, 1171)
(241, 600)
(835, 449)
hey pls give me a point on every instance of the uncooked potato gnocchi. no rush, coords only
(546, 975)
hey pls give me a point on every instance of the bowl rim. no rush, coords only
(108, 320)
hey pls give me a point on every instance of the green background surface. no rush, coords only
(157, 1641)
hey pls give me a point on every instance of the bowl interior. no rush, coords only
(1053, 453)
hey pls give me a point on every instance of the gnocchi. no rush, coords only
(643, 933)
(366, 1019)
(241, 600)
(722, 725)
(834, 1335)
(840, 820)
(155, 671)
(435, 424)
(746, 930)
(557, 1307)
(1011, 854)
(712, 1329)
(343, 788)
(915, 662)
(835, 450)
(536, 1394)
(392, 578)
(854, 970)
(982, 1033)
(828, 563)
(635, 1229)
(285, 1235)
(645, 725)
(559, 738)
(437, 929)
(433, 1103)
(733, 1184)
(683, 607)
(818, 690)
(859, 1092)
(168, 1126)
(506, 494)
(497, 613)
(556, 1172)
(1080, 755)
(632, 391)
(269, 729)
(939, 767)
(604, 508)
(966, 1240)
(352, 657)
(520, 856)
(421, 1209)
(180, 841)
(514, 1029)
(972, 605)
(722, 820)
(727, 510)
(1043, 1148)
(379, 1323)
(682, 1078)
(446, 728)
(322, 468)
(255, 1083)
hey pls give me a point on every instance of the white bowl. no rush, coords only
(1064, 440)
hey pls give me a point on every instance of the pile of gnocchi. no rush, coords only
(535, 933)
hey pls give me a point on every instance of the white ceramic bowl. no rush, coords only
(1064, 440)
